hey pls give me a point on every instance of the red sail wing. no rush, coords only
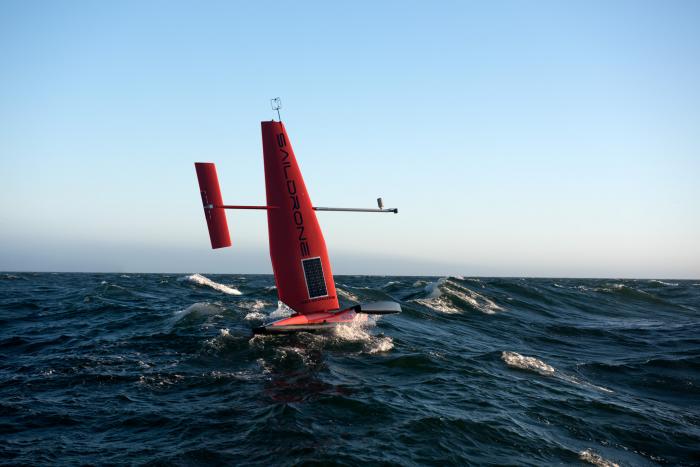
(211, 196)
(298, 251)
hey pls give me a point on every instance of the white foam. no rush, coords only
(237, 375)
(205, 281)
(573, 379)
(381, 344)
(433, 288)
(201, 308)
(516, 360)
(353, 332)
(478, 301)
(357, 331)
(219, 342)
(441, 304)
(672, 284)
(160, 380)
(255, 305)
(282, 311)
(594, 458)
(438, 294)
(255, 316)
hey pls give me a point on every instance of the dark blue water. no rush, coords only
(157, 368)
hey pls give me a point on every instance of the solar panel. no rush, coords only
(315, 282)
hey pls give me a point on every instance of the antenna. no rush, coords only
(276, 104)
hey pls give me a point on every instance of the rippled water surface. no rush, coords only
(143, 368)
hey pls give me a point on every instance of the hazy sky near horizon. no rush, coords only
(516, 138)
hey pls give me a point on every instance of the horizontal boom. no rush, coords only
(315, 208)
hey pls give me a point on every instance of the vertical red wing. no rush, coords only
(211, 195)
(297, 249)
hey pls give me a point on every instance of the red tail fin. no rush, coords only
(211, 196)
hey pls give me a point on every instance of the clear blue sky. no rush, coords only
(516, 138)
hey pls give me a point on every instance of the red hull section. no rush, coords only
(297, 249)
(211, 195)
(311, 322)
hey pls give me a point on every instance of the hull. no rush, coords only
(311, 322)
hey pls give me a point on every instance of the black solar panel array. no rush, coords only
(315, 281)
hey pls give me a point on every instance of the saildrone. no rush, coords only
(300, 261)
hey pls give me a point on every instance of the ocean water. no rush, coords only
(163, 369)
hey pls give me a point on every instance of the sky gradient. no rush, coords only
(516, 138)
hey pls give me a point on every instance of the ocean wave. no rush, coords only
(199, 308)
(660, 282)
(11, 277)
(282, 311)
(160, 381)
(255, 316)
(426, 386)
(441, 304)
(442, 294)
(205, 281)
(515, 360)
(358, 331)
(254, 305)
(476, 300)
(596, 459)
(220, 341)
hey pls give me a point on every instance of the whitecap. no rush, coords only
(441, 304)
(594, 458)
(440, 291)
(478, 301)
(200, 308)
(219, 342)
(205, 281)
(357, 331)
(255, 316)
(282, 311)
(255, 305)
(656, 281)
(432, 289)
(381, 344)
(515, 360)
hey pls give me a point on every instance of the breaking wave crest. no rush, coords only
(446, 295)
(515, 360)
(205, 281)
(596, 459)
(358, 331)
